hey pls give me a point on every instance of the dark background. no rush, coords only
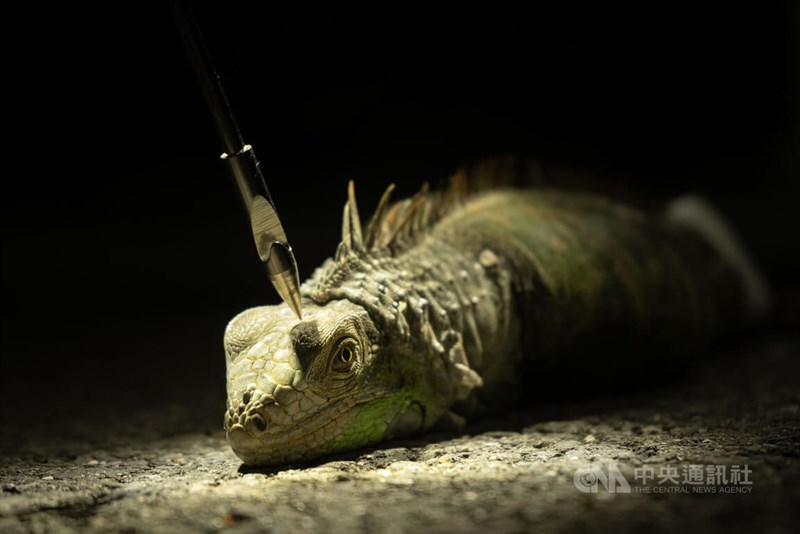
(124, 248)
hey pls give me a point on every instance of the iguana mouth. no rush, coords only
(258, 432)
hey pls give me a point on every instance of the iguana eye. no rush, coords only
(345, 357)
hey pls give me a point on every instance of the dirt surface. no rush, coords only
(155, 470)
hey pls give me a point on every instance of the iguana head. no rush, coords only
(301, 389)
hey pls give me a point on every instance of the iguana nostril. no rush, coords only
(256, 423)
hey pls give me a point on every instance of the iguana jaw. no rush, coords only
(307, 439)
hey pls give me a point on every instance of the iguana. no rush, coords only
(429, 312)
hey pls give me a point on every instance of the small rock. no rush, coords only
(589, 439)
(92, 462)
(48, 477)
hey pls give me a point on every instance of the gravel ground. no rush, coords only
(159, 470)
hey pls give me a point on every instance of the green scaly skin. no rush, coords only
(397, 334)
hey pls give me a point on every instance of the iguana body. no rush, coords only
(436, 305)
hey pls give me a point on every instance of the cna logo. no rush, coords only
(590, 477)
(693, 478)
